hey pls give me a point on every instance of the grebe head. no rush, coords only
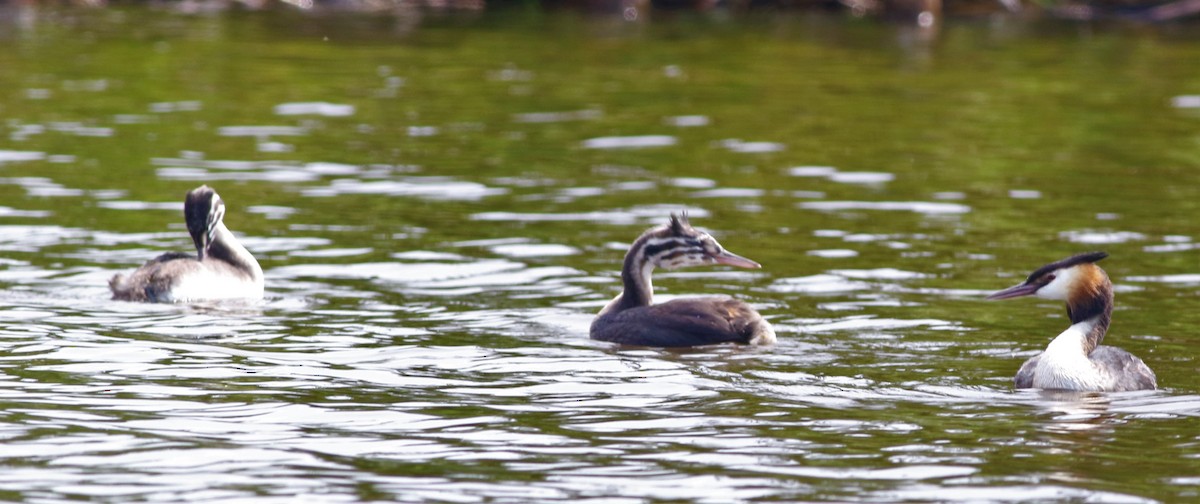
(203, 211)
(679, 245)
(1075, 280)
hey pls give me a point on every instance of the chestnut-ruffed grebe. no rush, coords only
(631, 319)
(1075, 360)
(221, 269)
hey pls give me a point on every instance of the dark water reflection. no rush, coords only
(441, 214)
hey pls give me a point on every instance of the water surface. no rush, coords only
(441, 206)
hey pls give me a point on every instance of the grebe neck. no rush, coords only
(1090, 312)
(226, 248)
(635, 276)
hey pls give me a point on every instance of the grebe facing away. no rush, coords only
(1075, 360)
(221, 268)
(631, 319)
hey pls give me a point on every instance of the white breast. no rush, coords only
(1065, 366)
(203, 285)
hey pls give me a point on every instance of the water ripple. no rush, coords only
(439, 188)
(440, 351)
(8, 156)
(629, 142)
(639, 214)
(924, 207)
(315, 108)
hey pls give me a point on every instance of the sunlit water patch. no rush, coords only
(443, 188)
(923, 207)
(729, 192)
(1101, 237)
(554, 117)
(845, 177)
(441, 278)
(737, 145)
(9, 156)
(693, 182)
(687, 121)
(141, 205)
(1182, 278)
(533, 250)
(630, 142)
(833, 253)
(196, 168)
(16, 212)
(653, 214)
(80, 129)
(1024, 194)
(178, 106)
(314, 108)
(818, 284)
(261, 132)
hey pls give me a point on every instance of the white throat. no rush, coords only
(1065, 365)
(647, 270)
(642, 281)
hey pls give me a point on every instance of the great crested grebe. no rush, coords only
(631, 319)
(1075, 360)
(221, 268)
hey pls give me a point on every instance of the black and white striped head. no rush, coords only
(203, 211)
(679, 245)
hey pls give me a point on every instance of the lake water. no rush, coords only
(441, 205)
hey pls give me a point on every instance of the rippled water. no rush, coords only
(442, 206)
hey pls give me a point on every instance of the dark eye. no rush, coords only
(1050, 278)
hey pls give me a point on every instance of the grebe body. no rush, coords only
(221, 268)
(632, 318)
(1075, 359)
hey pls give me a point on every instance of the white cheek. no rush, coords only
(1060, 287)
